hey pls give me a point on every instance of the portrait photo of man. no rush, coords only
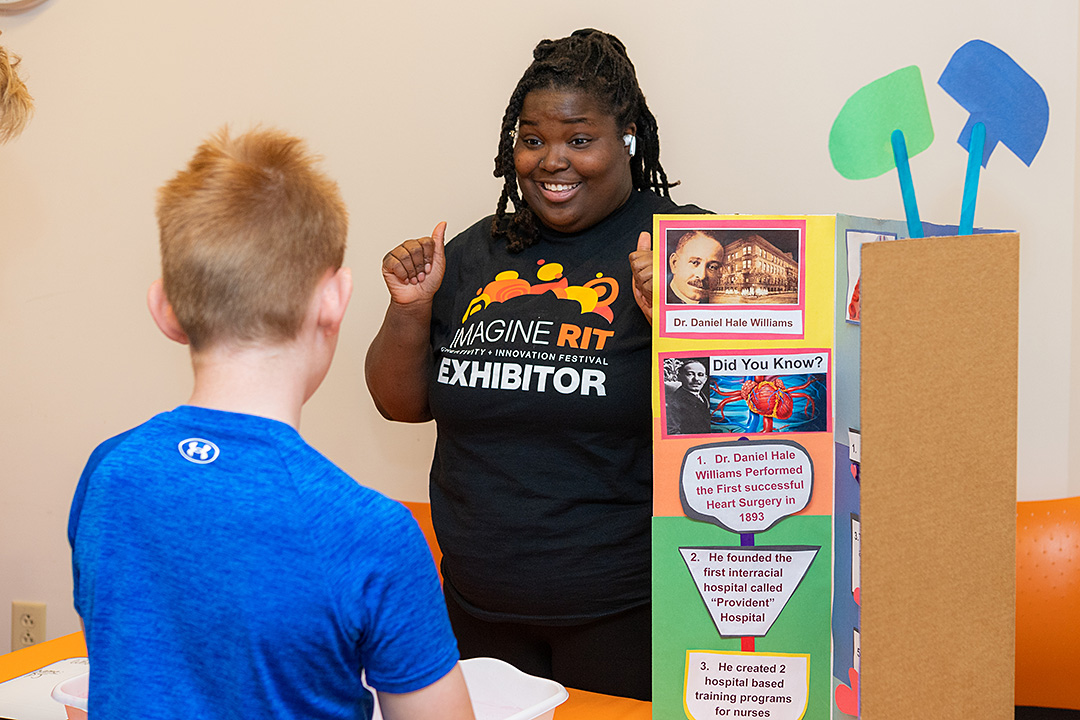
(687, 401)
(695, 264)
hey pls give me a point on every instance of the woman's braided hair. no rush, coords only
(596, 63)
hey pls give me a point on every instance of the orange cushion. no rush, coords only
(1048, 603)
(422, 512)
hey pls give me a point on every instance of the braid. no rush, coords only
(519, 229)
(596, 63)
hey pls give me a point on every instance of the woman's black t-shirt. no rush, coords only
(541, 484)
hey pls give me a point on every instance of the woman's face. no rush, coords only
(572, 165)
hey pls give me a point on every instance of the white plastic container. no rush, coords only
(499, 691)
(74, 694)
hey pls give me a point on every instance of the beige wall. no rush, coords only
(404, 99)
(1074, 395)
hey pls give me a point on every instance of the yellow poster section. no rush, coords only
(818, 265)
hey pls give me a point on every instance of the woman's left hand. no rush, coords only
(641, 266)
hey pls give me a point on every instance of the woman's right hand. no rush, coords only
(414, 270)
(398, 365)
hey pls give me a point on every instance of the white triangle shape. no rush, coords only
(745, 588)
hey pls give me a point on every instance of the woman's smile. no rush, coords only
(558, 192)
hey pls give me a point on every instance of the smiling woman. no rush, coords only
(541, 485)
(591, 70)
(571, 162)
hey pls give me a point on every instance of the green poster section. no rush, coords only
(682, 622)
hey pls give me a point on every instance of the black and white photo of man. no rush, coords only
(687, 404)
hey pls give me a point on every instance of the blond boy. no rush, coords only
(223, 568)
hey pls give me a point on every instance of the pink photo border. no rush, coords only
(717, 223)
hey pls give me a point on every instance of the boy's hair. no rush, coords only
(247, 231)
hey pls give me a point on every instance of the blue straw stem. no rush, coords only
(907, 189)
(971, 179)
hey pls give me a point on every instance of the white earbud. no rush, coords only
(630, 141)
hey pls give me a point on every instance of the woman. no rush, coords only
(523, 340)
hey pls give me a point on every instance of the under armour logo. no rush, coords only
(198, 451)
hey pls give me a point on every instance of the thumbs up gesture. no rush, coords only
(642, 268)
(414, 270)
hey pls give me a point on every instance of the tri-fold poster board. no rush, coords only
(816, 377)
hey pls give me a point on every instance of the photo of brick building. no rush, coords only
(755, 268)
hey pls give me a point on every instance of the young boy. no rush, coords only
(222, 567)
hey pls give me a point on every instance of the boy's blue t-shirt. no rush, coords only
(224, 568)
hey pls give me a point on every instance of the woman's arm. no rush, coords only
(398, 363)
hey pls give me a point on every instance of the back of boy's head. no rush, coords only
(248, 229)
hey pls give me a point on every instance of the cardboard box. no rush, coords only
(939, 371)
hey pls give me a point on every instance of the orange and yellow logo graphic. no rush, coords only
(594, 296)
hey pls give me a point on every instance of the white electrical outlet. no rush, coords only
(27, 624)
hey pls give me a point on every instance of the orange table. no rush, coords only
(38, 656)
(582, 705)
